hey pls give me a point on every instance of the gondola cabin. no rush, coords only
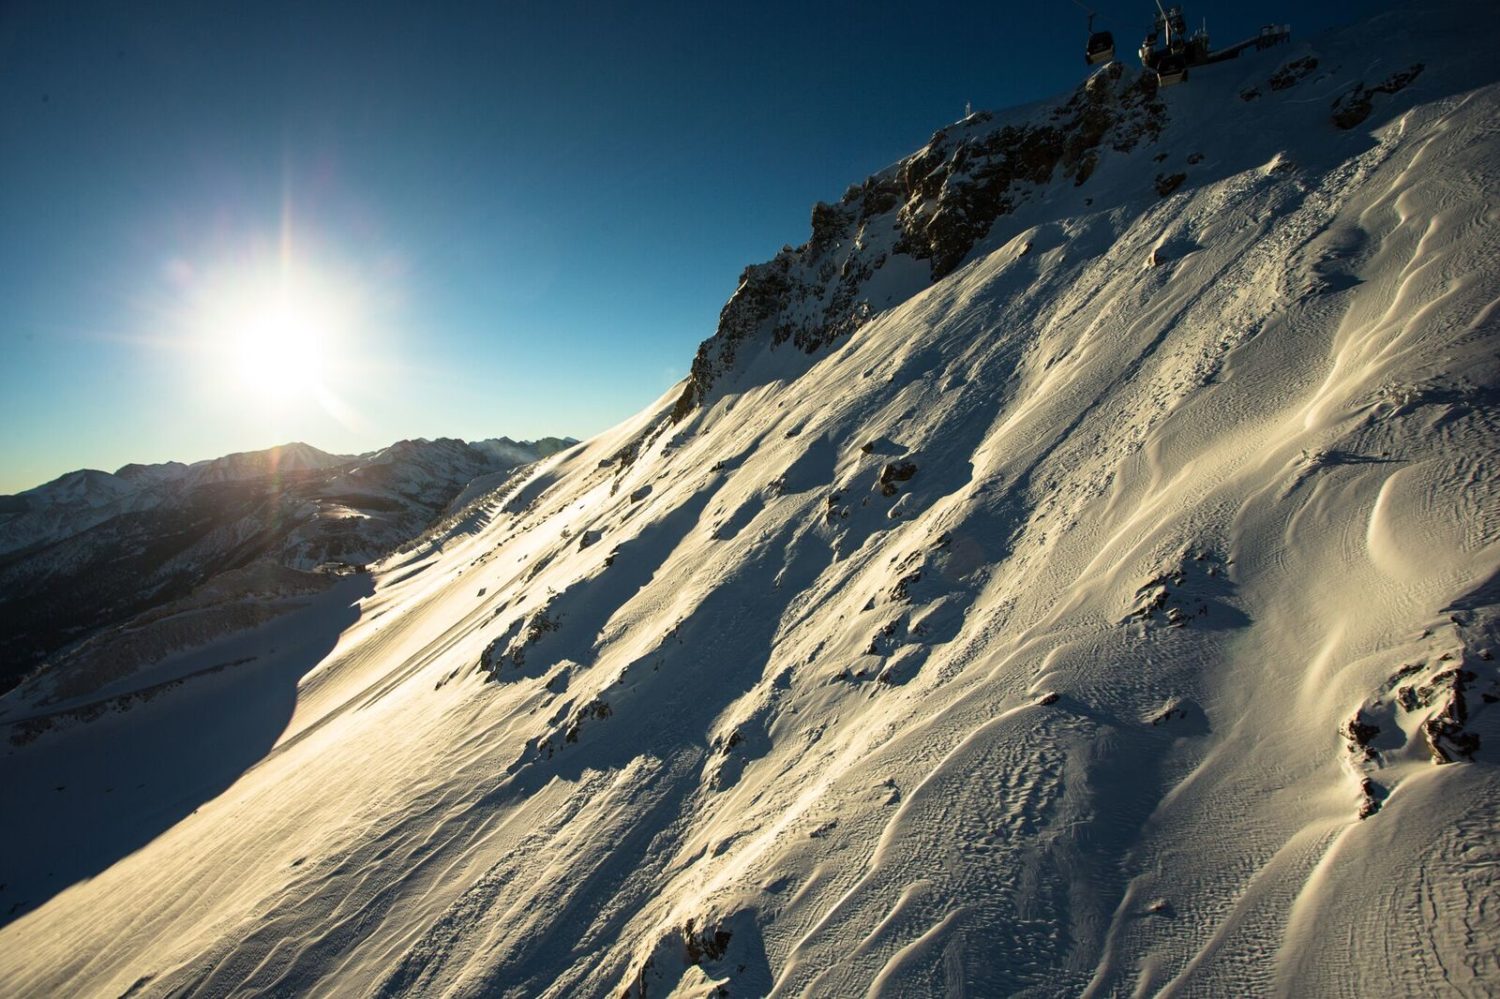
(1101, 48)
(1166, 50)
(1171, 68)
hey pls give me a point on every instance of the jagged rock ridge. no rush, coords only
(934, 206)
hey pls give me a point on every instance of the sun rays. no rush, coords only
(279, 329)
(277, 345)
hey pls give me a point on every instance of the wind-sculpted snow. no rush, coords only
(1113, 615)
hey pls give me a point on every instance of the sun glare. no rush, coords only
(283, 338)
(278, 348)
(274, 336)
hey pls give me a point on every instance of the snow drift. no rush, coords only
(1098, 596)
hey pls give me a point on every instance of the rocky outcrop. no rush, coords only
(1352, 108)
(931, 210)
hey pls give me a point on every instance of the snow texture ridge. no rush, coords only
(1111, 609)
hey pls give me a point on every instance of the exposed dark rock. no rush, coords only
(1168, 715)
(1371, 796)
(1292, 73)
(1404, 673)
(625, 457)
(1360, 733)
(902, 590)
(705, 944)
(597, 708)
(880, 641)
(894, 472)
(829, 224)
(1153, 595)
(512, 645)
(939, 202)
(1352, 108)
(1167, 183)
(1447, 737)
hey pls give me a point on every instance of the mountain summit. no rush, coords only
(1072, 571)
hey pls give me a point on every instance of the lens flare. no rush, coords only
(275, 335)
(286, 337)
(277, 350)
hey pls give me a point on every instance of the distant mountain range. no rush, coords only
(92, 549)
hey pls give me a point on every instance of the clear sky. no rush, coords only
(229, 225)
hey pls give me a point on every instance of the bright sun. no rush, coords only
(274, 334)
(280, 339)
(277, 349)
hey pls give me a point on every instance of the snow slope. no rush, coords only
(1113, 613)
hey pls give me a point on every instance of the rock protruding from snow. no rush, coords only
(933, 207)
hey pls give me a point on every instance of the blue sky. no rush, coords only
(520, 219)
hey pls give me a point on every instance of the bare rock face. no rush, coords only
(955, 187)
(1166, 183)
(894, 472)
(933, 207)
(1352, 108)
(1290, 73)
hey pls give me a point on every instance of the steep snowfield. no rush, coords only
(1095, 620)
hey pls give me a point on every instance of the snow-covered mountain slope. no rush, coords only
(91, 549)
(75, 502)
(1112, 615)
(522, 452)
